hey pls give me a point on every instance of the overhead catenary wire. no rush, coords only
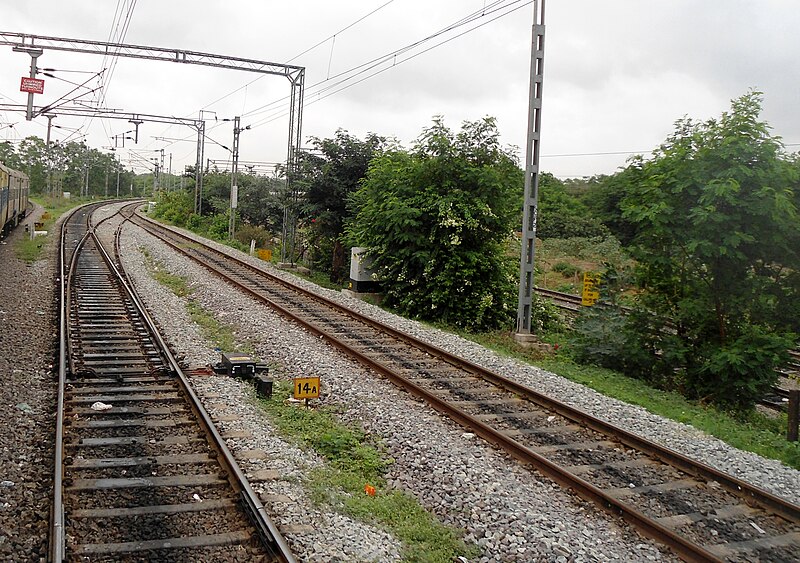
(308, 50)
(115, 35)
(277, 108)
(392, 55)
(349, 81)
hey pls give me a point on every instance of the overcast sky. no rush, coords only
(617, 74)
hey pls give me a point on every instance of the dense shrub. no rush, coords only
(436, 221)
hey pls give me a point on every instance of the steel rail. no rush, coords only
(766, 499)
(268, 532)
(57, 541)
(685, 548)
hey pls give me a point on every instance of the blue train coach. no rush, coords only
(14, 192)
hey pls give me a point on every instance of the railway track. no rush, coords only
(697, 511)
(787, 377)
(141, 472)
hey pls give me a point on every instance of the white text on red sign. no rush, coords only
(31, 85)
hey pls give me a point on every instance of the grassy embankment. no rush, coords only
(30, 249)
(560, 267)
(561, 264)
(754, 432)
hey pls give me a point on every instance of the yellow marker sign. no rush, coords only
(591, 289)
(306, 388)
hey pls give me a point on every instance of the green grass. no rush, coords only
(355, 460)
(30, 249)
(753, 432)
(220, 334)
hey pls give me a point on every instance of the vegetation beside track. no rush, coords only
(355, 461)
(750, 431)
(30, 249)
(702, 245)
(220, 334)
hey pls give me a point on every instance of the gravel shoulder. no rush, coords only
(27, 398)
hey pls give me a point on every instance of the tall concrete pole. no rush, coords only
(198, 167)
(49, 154)
(530, 208)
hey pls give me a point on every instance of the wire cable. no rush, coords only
(365, 67)
(348, 81)
(359, 20)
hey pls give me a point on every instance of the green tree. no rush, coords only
(329, 174)
(605, 196)
(259, 202)
(562, 215)
(9, 156)
(436, 221)
(717, 240)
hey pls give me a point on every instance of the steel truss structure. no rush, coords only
(83, 111)
(24, 42)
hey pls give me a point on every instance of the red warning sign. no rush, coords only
(31, 85)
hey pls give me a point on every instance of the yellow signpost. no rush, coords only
(591, 289)
(306, 388)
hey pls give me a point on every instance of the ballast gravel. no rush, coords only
(511, 512)
(27, 398)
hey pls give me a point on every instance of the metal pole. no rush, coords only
(198, 167)
(293, 151)
(526, 282)
(118, 171)
(155, 179)
(793, 415)
(234, 170)
(161, 169)
(35, 54)
(49, 154)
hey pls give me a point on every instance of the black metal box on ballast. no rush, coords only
(238, 365)
(245, 367)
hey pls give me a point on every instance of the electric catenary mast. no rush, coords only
(530, 206)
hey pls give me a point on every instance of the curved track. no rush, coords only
(141, 472)
(699, 512)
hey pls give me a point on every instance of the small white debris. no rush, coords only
(550, 418)
(468, 435)
(758, 528)
(99, 406)
(197, 497)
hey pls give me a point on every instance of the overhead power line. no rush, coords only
(354, 76)
(345, 28)
(278, 108)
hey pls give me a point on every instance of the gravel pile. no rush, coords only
(27, 399)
